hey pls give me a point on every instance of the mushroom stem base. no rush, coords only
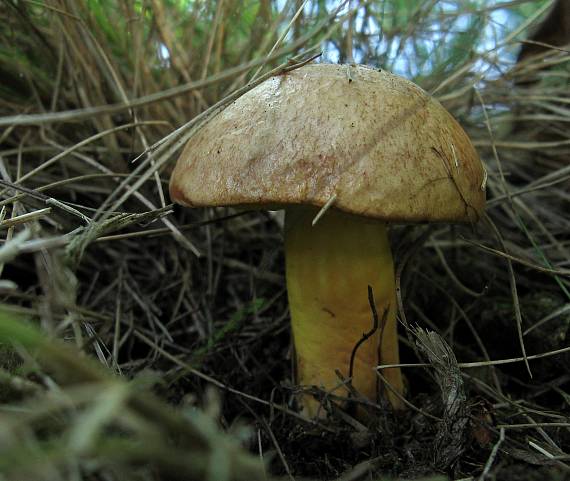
(329, 268)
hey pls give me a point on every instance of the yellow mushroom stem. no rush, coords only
(329, 268)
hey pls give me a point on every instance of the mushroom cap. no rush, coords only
(376, 142)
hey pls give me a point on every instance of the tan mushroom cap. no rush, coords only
(378, 142)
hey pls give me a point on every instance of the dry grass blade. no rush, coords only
(449, 443)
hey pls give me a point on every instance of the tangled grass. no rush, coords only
(142, 341)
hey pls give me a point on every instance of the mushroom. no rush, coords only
(353, 153)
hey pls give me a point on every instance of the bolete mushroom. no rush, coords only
(368, 147)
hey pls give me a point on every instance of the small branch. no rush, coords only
(369, 334)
